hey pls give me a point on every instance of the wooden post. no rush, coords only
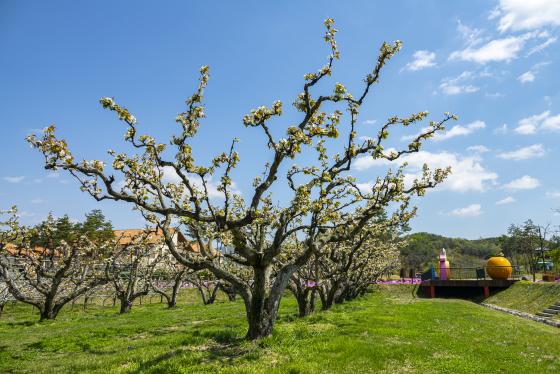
(486, 292)
(432, 291)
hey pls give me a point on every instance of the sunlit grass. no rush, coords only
(386, 331)
(527, 296)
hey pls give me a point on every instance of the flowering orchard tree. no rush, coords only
(168, 278)
(47, 266)
(323, 194)
(345, 270)
(207, 286)
(341, 271)
(303, 285)
(131, 270)
(9, 234)
(10, 231)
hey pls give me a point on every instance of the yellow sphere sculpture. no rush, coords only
(498, 267)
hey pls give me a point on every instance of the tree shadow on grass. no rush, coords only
(22, 323)
(158, 360)
(223, 345)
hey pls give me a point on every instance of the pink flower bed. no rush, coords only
(400, 281)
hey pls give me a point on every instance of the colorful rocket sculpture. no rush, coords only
(443, 265)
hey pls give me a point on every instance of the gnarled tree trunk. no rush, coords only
(126, 305)
(171, 297)
(229, 290)
(262, 307)
(172, 301)
(305, 296)
(49, 313)
(208, 292)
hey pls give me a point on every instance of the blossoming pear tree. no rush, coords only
(131, 270)
(342, 271)
(345, 270)
(325, 205)
(168, 278)
(48, 266)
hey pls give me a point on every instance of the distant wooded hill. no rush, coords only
(423, 249)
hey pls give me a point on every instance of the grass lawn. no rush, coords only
(386, 331)
(527, 296)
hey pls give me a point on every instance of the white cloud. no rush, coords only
(14, 179)
(506, 200)
(494, 95)
(494, 13)
(37, 201)
(553, 194)
(551, 123)
(453, 89)
(25, 213)
(542, 46)
(478, 149)
(457, 85)
(502, 129)
(529, 125)
(467, 173)
(457, 130)
(470, 35)
(518, 15)
(529, 76)
(422, 60)
(525, 153)
(543, 121)
(370, 122)
(505, 49)
(365, 187)
(524, 183)
(472, 210)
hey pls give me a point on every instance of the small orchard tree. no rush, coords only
(9, 234)
(345, 270)
(303, 285)
(229, 290)
(131, 270)
(52, 264)
(169, 277)
(10, 231)
(207, 285)
(322, 192)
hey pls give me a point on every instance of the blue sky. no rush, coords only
(493, 63)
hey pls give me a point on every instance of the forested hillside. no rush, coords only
(423, 249)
